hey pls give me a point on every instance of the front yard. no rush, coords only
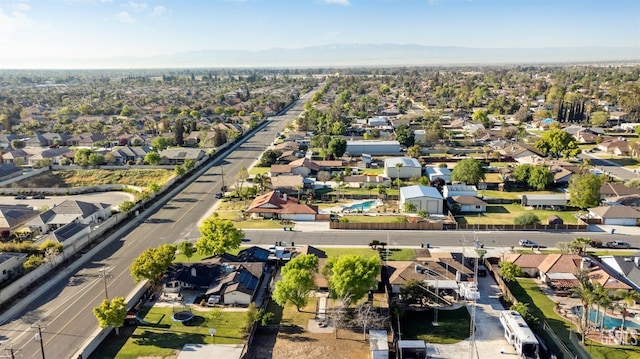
(163, 337)
(507, 213)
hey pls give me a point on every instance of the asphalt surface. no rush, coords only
(611, 168)
(65, 313)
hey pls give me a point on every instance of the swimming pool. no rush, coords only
(609, 322)
(362, 206)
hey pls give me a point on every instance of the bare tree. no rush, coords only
(368, 317)
(338, 315)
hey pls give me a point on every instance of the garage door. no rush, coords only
(620, 221)
(433, 207)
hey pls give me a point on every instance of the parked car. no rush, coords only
(20, 196)
(618, 245)
(527, 243)
(219, 194)
(38, 196)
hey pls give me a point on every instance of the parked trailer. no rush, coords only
(518, 334)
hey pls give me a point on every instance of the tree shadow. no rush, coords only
(496, 209)
(170, 340)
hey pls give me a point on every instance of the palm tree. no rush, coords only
(263, 181)
(628, 298)
(585, 292)
(602, 300)
(398, 165)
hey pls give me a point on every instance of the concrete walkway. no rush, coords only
(489, 336)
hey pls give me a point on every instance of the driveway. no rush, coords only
(489, 338)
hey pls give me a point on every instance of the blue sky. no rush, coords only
(108, 28)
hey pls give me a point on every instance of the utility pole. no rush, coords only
(222, 176)
(104, 272)
(38, 337)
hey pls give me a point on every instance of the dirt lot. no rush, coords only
(296, 343)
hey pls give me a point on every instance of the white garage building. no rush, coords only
(375, 148)
(616, 215)
(423, 197)
(409, 167)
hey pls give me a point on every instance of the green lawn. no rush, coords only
(506, 213)
(397, 254)
(259, 170)
(162, 336)
(493, 178)
(526, 290)
(453, 326)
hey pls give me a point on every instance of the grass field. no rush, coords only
(453, 326)
(259, 170)
(509, 195)
(506, 213)
(162, 337)
(93, 177)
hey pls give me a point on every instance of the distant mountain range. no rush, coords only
(345, 55)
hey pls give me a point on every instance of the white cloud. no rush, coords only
(137, 6)
(14, 21)
(21, 6)
(125, 17)
(337, 2)
(158, 11)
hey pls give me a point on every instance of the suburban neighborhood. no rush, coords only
(442, 152)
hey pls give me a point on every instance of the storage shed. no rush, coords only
(375, 148)
(423, 197)
(409, 167)
(544, 200)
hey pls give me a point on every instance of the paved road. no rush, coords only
(610, 168)
(415, 238)
(66, 312)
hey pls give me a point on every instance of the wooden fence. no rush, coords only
(387, 226)
(516, 227)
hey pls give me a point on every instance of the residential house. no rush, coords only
(304, 167)
(544, 200)
(438, 172)
(280, 170)
(69, 234)
(5, 139)
(521, 154)
(55, 139)
(615, 215)
(423, 197)
(627, 267)
(86, 140)
(287, 184)
(36, 141)
(613, 190)
(616, 146)
(70, 211)
(130, 154)
(468, 204)
(11, 265)
(225, 283)
(453, 190)
(9, 171)
(13, 217)
(562, 173)
(277, 205)
(17, 157)
(177, 156)
(52, 156)
(444, 270)
(408, 167)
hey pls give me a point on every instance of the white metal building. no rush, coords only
(409, 167)
(375, 148)
(423, 197)
(439, 172)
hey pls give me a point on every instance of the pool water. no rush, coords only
(609, 322)
(363, 206)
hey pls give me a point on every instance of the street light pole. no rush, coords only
(38, 337)
(103, 273)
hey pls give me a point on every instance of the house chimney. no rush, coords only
(193, 271)
(284, 196)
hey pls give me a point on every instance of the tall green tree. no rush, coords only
(405, 135)
(351, 276)
(414, 151)
(599, 118)
(509, 271)
(558, 143)
(178, 132)
(217, 236)
(540, 177)
(298, 280)
(337, 147)
(584, 190)
(81, 158)
(111, 313)
(160, 143)
(482, 116)
(187, 248)
(152, 158)
(153, 262)
(469, 171)
(521, 173)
